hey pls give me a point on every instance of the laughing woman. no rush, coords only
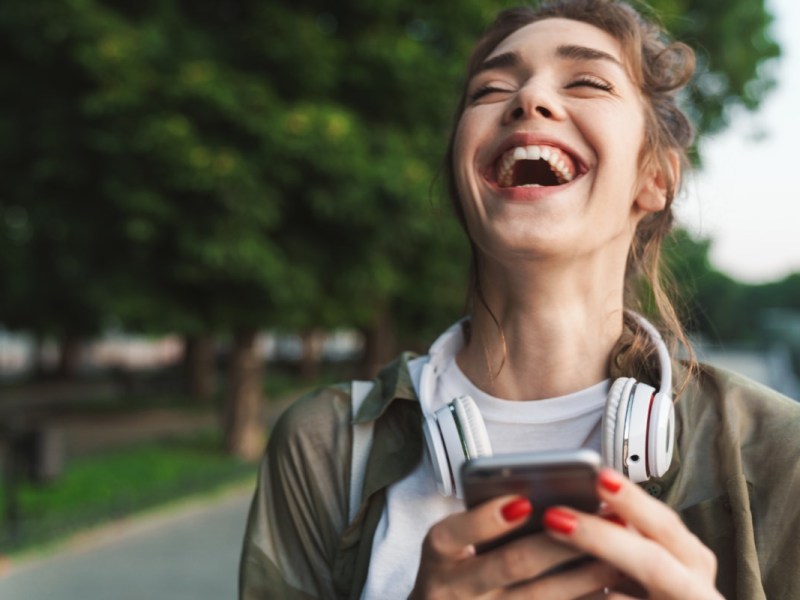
(562, 166)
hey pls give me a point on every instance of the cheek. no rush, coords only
(620, 139)
(463, 134)
(463, 154)
(629, 134)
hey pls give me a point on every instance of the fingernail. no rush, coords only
(560, 521)
(610, 480)
(516, 509)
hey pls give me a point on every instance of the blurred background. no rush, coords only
(211, 206)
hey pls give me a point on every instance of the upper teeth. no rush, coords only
(560, 163)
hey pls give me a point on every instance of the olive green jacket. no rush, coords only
(734, 479)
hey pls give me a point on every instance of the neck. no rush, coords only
(553, 335)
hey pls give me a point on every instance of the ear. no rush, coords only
(652, 196)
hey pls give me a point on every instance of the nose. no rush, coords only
(533, 101)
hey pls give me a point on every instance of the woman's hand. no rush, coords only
(655, 548)
(449, 567)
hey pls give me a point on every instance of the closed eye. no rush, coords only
(485, 91)
(592, 82)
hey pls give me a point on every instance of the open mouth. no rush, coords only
(534, 166)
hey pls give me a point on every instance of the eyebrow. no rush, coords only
(584, 53)
(505, 61)
(511, 60)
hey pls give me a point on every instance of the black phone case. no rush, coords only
(545, 485)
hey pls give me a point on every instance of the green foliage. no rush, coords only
(201, 166)
(733, 43)
(719, 307)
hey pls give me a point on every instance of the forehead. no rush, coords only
(548, 34)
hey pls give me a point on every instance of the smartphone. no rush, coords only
(563, 478)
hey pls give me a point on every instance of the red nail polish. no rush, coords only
(610, 480)
(516, 509)
(560, 521)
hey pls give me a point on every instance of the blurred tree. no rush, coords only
(136, 153)
(53, 216)
(189, 123)
(733, 43)
(710, 302)
(720, 308)
(217, 167)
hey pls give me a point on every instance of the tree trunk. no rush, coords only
(69, 356)
(38, 367)
(380, 344)
(243, 424)
(311, 357)
(200, 369)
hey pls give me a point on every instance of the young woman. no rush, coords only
(563, 165)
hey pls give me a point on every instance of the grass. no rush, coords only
(100, 488)
(97, 489)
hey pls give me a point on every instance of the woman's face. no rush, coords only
(546, 153)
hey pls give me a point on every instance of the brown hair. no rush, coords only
(659, 68)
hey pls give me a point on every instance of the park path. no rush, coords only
(185, 552)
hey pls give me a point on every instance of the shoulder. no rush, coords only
(742, 417)
(741, 436)
(320, 422)
(307, 464)
(313, 423)
(299, 509)
(743, 400)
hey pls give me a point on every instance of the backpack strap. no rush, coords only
(362, 442)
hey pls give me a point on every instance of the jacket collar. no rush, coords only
(392, 383)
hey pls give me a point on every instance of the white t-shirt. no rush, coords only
(414, 504)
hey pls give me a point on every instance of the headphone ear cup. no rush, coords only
(464, 436)
(473, 429)
(661, 438)
(636, 458)
(614, 422)
(434, 447)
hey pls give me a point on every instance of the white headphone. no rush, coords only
(637, 426)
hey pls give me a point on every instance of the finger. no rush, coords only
(449, 537)
(643, 559)
(629, 586)
(654, 520)
(586, 581)
(517, 561)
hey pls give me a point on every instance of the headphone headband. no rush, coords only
(664, 362)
